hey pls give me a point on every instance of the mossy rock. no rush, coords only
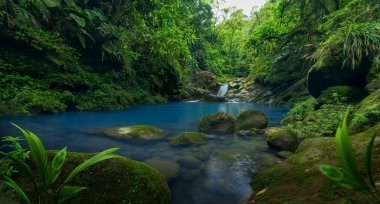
(168, 168)
(189, 138)
(118, 180)
(218, 123)
(339, 94)
(281, 138)
(298, 180)
(251, 132)
(189, 162)
(249, 119)
(137, 133)
(366, 113)
(373, 86)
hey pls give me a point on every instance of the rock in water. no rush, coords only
(218, 123)
(189, 162)
(251, 119)
(168, 168)
(189, 138)
(137, 133)
(281, 138)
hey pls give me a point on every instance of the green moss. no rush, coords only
(137, 133)
(281, 138)
(366, 114)
(251, 119)
(189, 138)
(219, 122)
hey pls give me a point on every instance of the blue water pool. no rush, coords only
(225, 172)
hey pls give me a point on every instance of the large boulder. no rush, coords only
(112, 181)
(298, 180)
(366, 113)
(331, 73)
(251, 119)
(189, 138)
(137, 133)
(281, 138)
(218, 123)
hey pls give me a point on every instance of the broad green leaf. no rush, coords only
(331, 172)
(107, 154)
(347, 156)
(80, 21)
(38, 153)
(69, 192)
(56, 165)
(368, 162)
(52, 3)
(11, 183)
(81, 40)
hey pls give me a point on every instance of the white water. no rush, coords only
(223, 90)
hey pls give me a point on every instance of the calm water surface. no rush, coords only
(228, 161)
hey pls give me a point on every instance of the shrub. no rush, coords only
(339, 94)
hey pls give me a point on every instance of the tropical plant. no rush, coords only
(45, 184)
(358, 40)
(349, 175)
(15, 149)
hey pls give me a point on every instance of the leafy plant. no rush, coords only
(349, 175)
(12, 143)
(45, 184)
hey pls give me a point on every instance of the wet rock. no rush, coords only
(137, 133)
(167, 168)
(281, 138)
(189, 138)
(189, 162)
(249, 119)
(218, 123)
(251, 132)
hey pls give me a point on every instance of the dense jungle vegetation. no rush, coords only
(61, 55)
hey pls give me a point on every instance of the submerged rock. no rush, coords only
(218, 123)
(251, 132)
(249, 119)
(168, 168)
(189, 138)
(281, 138)
(298, 180)
(137, 133)
(189, 162)
(112, 181)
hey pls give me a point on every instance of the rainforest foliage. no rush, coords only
(60, 55)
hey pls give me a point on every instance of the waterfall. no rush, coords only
(223, 90)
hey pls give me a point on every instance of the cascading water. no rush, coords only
(223, 90)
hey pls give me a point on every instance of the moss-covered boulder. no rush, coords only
(251, 119)
(339, 94)
(251, 132)
(112, 181)
(298, 180)
(218, 123)
(281, 138)
(189, 138)
(366, 114)
(168, 168)
(136, 133)
(284, 154)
